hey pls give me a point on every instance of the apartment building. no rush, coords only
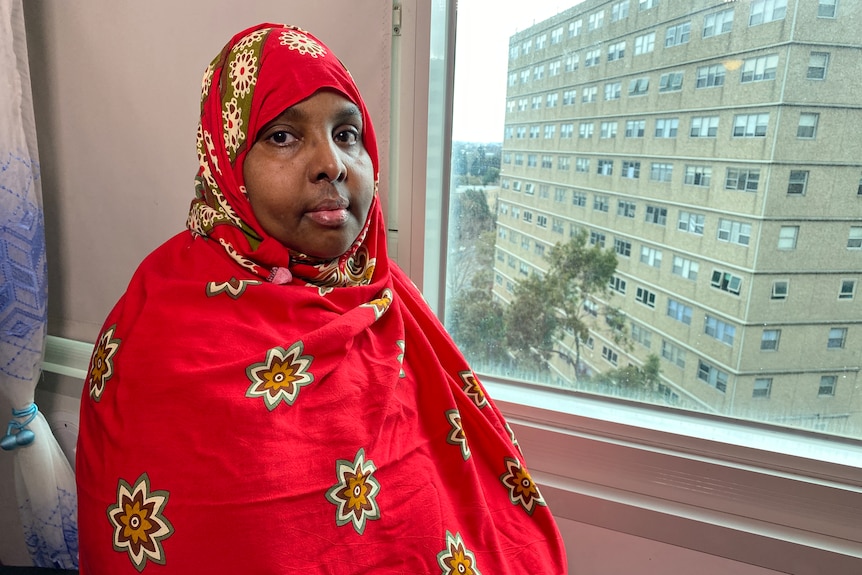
(716, 146)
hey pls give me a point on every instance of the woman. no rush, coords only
(271, 394)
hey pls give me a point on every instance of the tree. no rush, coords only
(563, 300)
(633, 378)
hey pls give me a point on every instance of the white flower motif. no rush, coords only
(242, 72)
(207, 81)
(252, 38)
(233, 134)
(301, 43)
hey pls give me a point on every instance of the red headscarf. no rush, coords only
(238, 418)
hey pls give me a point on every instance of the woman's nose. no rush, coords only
(326, 162)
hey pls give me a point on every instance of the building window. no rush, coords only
(619, 10)
(710, 76)
(569, 97)
(779, 289)
(647, 4)
(563, 163)
(591, 308)
(807, 127)
(589, 94)
(613, 91)
(787, 237)
(698, 176)
(585, 130)
(622, 247)
(566, 130)
(712, 376)
(610, 355)
(601, 203)
(547, 161)
(676, 35)
(837, 337)
(854, 238)
(575, 28)
(762, 387)
(605, 168)
(557, 226)
(592, 58)
(656, 215)
(617, 284)
(759, 69)
(539, 72)
(827, 8)
(750, 125)
(536, 102)
(638, 86)
(651, 256)
(597, 239)
(635, 128)
(616, 51)
(685, 268)
(608, 130)
(817, 63)
(726, 281)
(631, 170)
(827, 385)
(660, 172)
(704, 127)
(528, 216)
(554, 68)
(734, 232)
(763, 11)
(557, 35)
(679, 311)
(722, 331)
(673, 353)
(582, 165)
(532, 162)
(625, 209)
(645, 297)
(666, 127)
(522, 132)
(670, 82)
(595, 20)
(769, 339)
(541, 41)
(550, 131)
(641, 335)
(745, 180)
(718, 23)
(848, 289)
(644, 44)
(551, 100)
(798, 182)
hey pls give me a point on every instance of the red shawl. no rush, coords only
(251, 410)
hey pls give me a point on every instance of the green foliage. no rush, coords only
(477, 325)
(632, 377)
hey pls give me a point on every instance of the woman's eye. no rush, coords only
(348, 136)
(280, 137)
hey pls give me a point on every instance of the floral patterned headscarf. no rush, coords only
(260, 73)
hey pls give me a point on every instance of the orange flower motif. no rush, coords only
(280, 377)
(101, 363)
(139, 526)
(473, 388)
(355, 493)
(456, 559)
(522, 490)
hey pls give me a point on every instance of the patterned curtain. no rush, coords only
(44, 481)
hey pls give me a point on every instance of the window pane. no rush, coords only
(676, 192)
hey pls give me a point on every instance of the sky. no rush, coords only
(484, 28)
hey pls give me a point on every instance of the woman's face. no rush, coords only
(308, 176)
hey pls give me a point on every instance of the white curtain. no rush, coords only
(44, 481)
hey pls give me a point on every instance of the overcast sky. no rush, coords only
(484, 28)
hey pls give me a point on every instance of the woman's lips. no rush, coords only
(330, 218)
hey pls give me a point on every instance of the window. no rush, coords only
(541, 221)
(742, 179)
(848, 289)
(779, 289)
(571, 62)
(566, 130)
(528, 216)
(575, 28)
(635, 128)
(536, 102)
(787, 237)
(579, 199)
(640, 335)
(589, 94)
(763, 11)
(554, 68)
(718, 23)
(616, 51)
(704, 127)
(656, 215)
(569, 97)
(539, 72)
(679, 311)
(661, 172)
(651, 256)
(547, 161)
(798, 182)
(647, 4)
(564, 163)
(625, 209)
(720, 330)
(605, 168)
(613, 91)
(534, 132)
(631, 170)
(854, 239)
(638, 86)
(557, 226)
(597, 239)
(726, 281)
(673, 353)
(617, 283)
(644, 44)
(817, 63)
(645, 297)
(595, 20)
(622, 247)
(827, 8)
(541, 41)
(592, 58)
(807, 125)
(585, 129)
(620, 10)
(734, 232)
(670, 82)
(557, 35)
(601, 203)
(762, 387)
(685, 268)
(676, 35)
(837, 336)
(827, 385)
(712, 376)
(750, 125)
(769, 339)
(666, 127)
(698, 176)
(582, 165)
(609, 355)
(759, 69)
(608, 130)
(710, 76)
